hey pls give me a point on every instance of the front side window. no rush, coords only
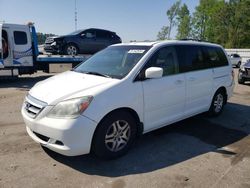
(20, 38)
(166, 59)
(89, 34)
(114, 61)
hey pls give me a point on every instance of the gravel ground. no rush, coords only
(197, 152)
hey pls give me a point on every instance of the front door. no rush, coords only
(88, 43)
(22, 45)
(164, 98)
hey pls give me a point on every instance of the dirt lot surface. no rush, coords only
(198, 152)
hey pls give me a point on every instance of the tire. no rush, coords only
(218, 103)
(114, 135)
(71, 49)
(238, 64)
(240, 79)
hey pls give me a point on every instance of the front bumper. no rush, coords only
(244, 74)
(68, 137)
(56, 49)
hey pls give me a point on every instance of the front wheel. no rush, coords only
(114, 135)
(218, 103)
(71, 49)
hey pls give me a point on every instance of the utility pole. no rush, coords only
(75, 16)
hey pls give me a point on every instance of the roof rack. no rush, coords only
(198, 40)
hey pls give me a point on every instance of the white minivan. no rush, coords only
(125, 90)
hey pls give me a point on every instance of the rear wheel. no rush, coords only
(71, 49)
(218, 103)
(114, 135)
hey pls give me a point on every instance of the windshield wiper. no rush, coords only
(97, 74)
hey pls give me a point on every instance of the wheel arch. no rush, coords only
(224, 90)
(71, 43)
(129, 110)
(132, 112)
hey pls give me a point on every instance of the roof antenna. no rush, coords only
(75, 16)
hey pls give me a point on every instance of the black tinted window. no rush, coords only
(216, 57)
(20, 37)
(191, 58)
(102, 34)
(235, 55)
(89, 34)
(165, 58)
(195, 58)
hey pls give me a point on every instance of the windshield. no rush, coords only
(114, 61)
(75, 32)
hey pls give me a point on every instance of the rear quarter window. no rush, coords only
(216, 56)
(102, 34)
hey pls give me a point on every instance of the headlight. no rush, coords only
(242, 68)
(53, 44)
(70, 108)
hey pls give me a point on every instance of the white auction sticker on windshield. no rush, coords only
(136, 51)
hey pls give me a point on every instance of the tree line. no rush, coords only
(226, 22)
(41, 37)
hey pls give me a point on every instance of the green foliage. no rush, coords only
(184, 21)
(172, 13)
(226, 22)
(41, 37)
(163, 34)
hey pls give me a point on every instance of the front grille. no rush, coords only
(32, 110)
(33, 106)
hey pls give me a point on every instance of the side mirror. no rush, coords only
(154, 72)
(83, 35)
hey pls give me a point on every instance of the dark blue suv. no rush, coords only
(88, 41)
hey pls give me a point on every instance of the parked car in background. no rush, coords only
(235, 60)
(88, 41)
(244, 73)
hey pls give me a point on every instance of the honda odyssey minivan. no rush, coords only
(125, 90)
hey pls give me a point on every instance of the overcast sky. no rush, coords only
(130, 19)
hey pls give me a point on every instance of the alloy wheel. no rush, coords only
(218, 103)
(71, 50)
(117, 136)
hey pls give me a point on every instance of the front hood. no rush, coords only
(64, 85)
(63, 36)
